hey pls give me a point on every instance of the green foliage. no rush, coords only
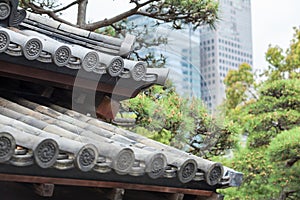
(277, 109)
(285, 146)
(284, 66)
(270, 159)
(160, 110)
(237, 82)
(256, 170)
(161, 114)
(177, 12)
(109, 30)
(284, 152)
(197, 12)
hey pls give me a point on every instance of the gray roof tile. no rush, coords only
(96, 146)
(49, 41)
(44, 20)
(71, 29)
(55, 137)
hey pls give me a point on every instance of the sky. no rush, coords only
(272, 21)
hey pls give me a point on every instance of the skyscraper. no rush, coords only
(200, 59)
(224, 48)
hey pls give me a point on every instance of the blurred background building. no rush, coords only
(200, 59)
(225, 48)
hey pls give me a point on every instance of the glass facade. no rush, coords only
(225, 48)
(199, 60)
(182, 52)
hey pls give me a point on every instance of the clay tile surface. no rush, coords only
(53, 137)
(39, 138)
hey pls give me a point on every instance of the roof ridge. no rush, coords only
(124, 46)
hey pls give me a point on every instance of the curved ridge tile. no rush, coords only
(65, 144)
(172, 153)
(8, 146)
(45, 150)
(88, 58)
(60, 53)
(30, 46)
(137, 69)
(161, 74)
(4, 41)
(103, 43)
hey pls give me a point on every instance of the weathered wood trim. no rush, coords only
(58, 80)
(102, 184)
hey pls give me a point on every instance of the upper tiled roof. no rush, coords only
(48, 41)
(70, 34)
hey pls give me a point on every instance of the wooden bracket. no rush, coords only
(108, 108)
(214, 196)
(44, 190)
(177, 196)
(116, 194)
(48, 92)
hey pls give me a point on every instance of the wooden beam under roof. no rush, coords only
(102, 184)
(61, 80)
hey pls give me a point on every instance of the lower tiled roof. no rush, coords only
(55, 138)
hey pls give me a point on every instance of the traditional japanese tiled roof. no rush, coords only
(53, 137)
(41, 138)
(48, 41)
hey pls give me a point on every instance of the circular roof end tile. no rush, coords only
(86, 158)
(32, 49)
(4, 41)
(7, 146)
(46, 153)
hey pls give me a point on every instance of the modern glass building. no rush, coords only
(225, 48)
(199, 60)
(182, 52)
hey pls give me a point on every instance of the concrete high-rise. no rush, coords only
(224, 48)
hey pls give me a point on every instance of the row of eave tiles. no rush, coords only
(55, 137)
(49, 41)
